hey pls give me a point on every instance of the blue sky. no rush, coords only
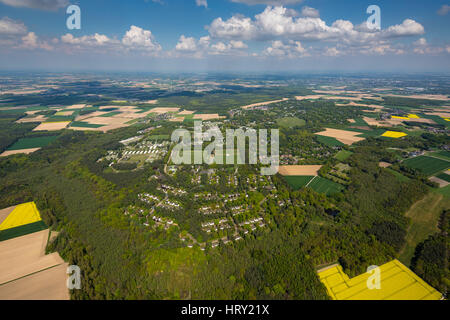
(225, 35)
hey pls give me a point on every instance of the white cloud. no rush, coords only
(186, 44)
(91, 40)
(332, 52)
(31, 41)
(238, 44)
(268, 2)
(276, 22)
(203, 3)
(11, 27)
(135, 39)
(444, 10)
(310, 12)
(408, 27)
(421, 42)
(291, 49)
(50, 5)
(139, 38)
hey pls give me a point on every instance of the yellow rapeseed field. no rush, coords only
(394, 134)
(23, 214)
(397, 282)
(398, 117)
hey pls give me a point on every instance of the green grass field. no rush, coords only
(444, 177)
(343, 155)
(326, 186)
(291, 122)
(360, 122)
(444, 155)
(424, 216)
(22, 230)
(159, 137)
(110, 114)
(29, 143)
(427, 165)
(297, 182)
(331, 142)
(398, 175)
(81, 124)
(59, 118)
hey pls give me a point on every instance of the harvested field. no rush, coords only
(206, 117)
(38, 118)
(440, 182)
(263, 103)
(421, 96)
(150, 102)
(177, 119)
(161, 110)
(48, 284)
(351, 120)
(299, 170)
(64, 113)
(385, 164)
(76, 106)
(346, 137)
(185, 113)
(27, 273)
(439, 114)
(52, 126)
(22, 151)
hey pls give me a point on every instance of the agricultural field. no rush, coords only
(52, 126)
(291, 122)
(298, 182)
(328, 141)
(26, 272)
(400, 283)
(424, 216)
(428, 165)
(30, 143)
(322, 185)
(22, 214)
(299, 170)
(343, 155)
(444, 176)
(394, 134)
(344, 136)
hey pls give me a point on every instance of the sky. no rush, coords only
(225, 35)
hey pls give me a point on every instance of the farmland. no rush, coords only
(29, 143)
(427, 165)
(322, 185)
(290, 122)
(424, 217)
(343, 155)
(297, 182)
